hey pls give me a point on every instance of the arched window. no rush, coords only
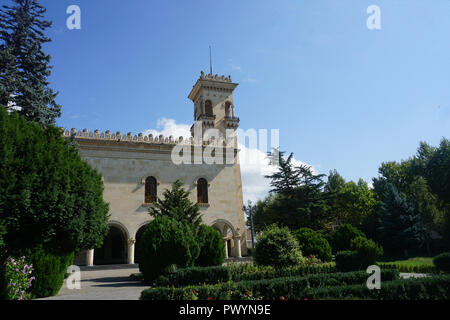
(202, 191)
(208, 108)
(150, 190)
(228, 109)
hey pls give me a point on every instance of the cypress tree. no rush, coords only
(25, 67)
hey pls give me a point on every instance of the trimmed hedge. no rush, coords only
(269, 289)
(218, 274)
(410, 269)
(348, 261)
(313, 243)
(50, 270)
(442, 261)
(431, 288)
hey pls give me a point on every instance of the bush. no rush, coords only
(368, 251)
(277, 247)
(341, 237)
(429, 288)
(313, 243)
(164, 243)
(244, 272)
(17, 279)
(442, 262)
(347, 261)
(212, 248)
(267, 289)
(49, 270)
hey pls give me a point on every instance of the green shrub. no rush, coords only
(341, 237)
(429, 288)
(212, 248)
(243, 272)
(49, 270)
(166, 242)
(442, 261)
(268, 289)
(49, 195)
(368, 251)
(277, 247)
(347, 260)
(313, 243)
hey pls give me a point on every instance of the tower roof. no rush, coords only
(210, 81)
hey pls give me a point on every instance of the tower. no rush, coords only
(213, 103)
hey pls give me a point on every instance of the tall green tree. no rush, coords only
(49, 196)
(400, 225)
(286, 178)
(25, 67)
(177, 205)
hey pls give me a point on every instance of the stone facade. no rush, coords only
(126, 161)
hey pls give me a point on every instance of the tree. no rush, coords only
(176, 205)
(313, 243)
(166, 242)
(277, 247)
(286, 179)
(50, 196)
(212, 248)
(400, 225)
(25, 67)
(340, 239)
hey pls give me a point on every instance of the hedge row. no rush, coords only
(269, 289)
(430, 288)
(410, 269)
(245, 272)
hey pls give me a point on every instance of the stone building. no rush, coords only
(137, 169)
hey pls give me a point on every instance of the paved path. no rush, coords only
(104, 283)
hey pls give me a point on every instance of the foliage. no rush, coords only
(430, 288)
(236, 273)
(164, 243)
(348, 260)
(212, 248)
(442, 261)
(400, 226)
(368, 250)
(276, 246)
(24, 66)
(341, 238)
(424, 181)
(313, 243)
(267, 289)
(50, 196)
(18, 277)
(50, 269)
(176, 205)
(350, 202)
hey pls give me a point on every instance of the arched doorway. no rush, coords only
(228, 234)
(138, 237)
(114, 249)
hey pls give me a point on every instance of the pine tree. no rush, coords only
(400, 224)
(286, 179)
(176, 205)
(24, 66)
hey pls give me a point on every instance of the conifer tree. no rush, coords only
(176, 205)
(25, 67)
(400, 224)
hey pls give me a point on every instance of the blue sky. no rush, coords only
(344, 97)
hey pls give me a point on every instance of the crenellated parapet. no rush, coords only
(130, 138)
(216, 77)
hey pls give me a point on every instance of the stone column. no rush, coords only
(225, 242)
(237, 246)
(90, 258)
(131, 243)
(232, 110)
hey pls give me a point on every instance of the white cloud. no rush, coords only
(254, 162)
(169, 127)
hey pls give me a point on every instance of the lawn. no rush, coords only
(415, 264)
